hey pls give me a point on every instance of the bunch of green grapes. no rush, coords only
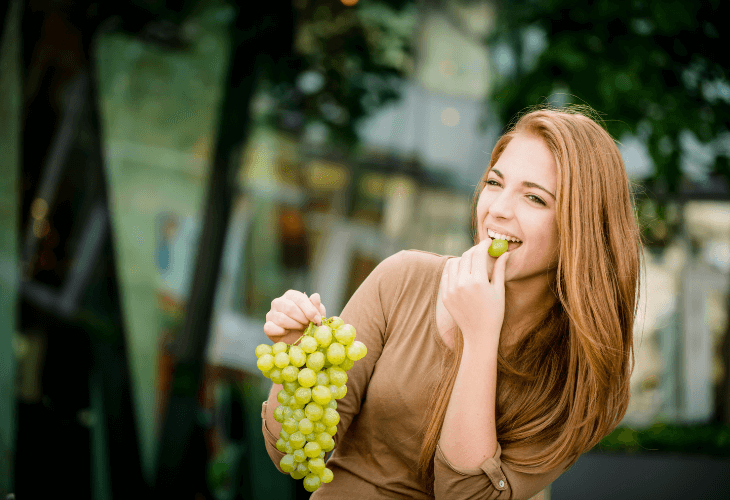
(312, 371)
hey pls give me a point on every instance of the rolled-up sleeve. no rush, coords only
(270, 439)
(491, 480)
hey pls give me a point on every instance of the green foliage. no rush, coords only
(347, 62)
(709, 439)
(656, 69)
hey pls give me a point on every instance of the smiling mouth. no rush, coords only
(512, 242)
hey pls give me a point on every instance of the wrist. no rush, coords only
(484, 342)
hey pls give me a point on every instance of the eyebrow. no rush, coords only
(525, 183)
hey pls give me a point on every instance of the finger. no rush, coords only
(317, 303)
(285, 321)
(499, 269)
(306, 313)
(479, 262)
(288, 307)
(465, 265)
(271, 329)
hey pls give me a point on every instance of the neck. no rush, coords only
(525, 302)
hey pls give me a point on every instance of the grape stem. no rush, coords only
(325, 321)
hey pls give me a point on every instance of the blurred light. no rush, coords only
(447, 68)
(450, 117)
(348, 3)
(310, 82)
(373, 185)
(717, 253)
(41, 228)
(39, 209)
(326, 176)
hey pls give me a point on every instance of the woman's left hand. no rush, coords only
(474, 301)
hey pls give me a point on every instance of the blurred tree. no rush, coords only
(347, 61)
(656, 68)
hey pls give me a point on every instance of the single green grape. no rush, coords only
(321, 395)
(319, 427)
(332, 404)
(281, 445)
(311, 482)
(336, 353)
(265, 362)
(347, 364)
(302, 467)
(290, 373)
(291, 387)
(281, 360)
(297, 356)
(279, 414)
(303, 395)
(279, 347)
(345, 334)
(262, 349)
(297, 440)
(308, 345)
(287, 463)
(313, 411)
(356, 350)
(306, 426)
(331, 430)
(337, 376)
(290, 425)
(316, 465)
(323, 378)
(296, 474)
(315, 361)
(282, 396)
(498, 247)
(298, 414)
(284, 435)
(300, 455)
(307, 377)
(311, 437)
(326, 476)
(323, 335)
(312, 449)
(275, 376)
(336, 322)
(330, 417)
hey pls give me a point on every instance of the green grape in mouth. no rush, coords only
(498, 247)
(313, 373)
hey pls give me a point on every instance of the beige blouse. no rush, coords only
(383, 414)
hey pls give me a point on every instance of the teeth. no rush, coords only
(498, 236)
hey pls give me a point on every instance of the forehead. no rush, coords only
(527, 158)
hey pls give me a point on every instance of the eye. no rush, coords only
(537, 199)
(492, 182)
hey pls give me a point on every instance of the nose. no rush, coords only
(501, 207)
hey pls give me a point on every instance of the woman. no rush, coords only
(487, 378)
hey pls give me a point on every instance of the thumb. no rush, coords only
(499, 269)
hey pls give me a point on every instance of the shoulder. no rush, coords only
(409, 262)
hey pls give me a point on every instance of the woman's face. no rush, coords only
(518, 201)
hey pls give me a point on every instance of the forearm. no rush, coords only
(469, 434)
(273, 403)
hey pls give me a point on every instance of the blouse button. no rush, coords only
(501, 483)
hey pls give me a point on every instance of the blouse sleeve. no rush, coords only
(368, 310)
(492, 480)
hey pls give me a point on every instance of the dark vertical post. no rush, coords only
(181, 455)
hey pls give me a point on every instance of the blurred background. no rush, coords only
(171, 166)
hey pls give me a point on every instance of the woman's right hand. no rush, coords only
(290, 314)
